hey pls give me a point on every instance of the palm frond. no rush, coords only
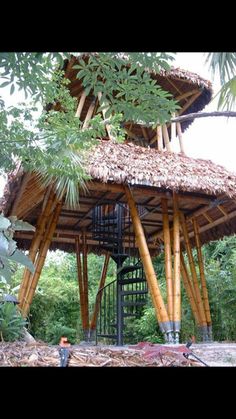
(223, 63)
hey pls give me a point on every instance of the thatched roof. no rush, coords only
(129, 163)
(196, 90)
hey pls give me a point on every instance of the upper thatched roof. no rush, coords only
(129, 163)
(179, 82)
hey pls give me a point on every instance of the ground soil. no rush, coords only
(141, 355)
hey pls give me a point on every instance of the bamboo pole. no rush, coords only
(42, 220)
(202, 276)
(189, 290)
(20, 193)
(180, 136)
(81, 104)
(93, 322)
(85, 287)
(80, 282)
(108, 126)
(194, 277)
(166, 137)
(158, 302)
(159, 138)
(41, 259)
(89, 113)
(177, 283)
(168, 260)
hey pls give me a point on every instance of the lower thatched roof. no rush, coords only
(129, 163)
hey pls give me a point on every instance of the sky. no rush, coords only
(211, 138)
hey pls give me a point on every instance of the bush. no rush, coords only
(11, 323)
(57, 330)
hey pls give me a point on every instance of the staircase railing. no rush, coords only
(106, 326)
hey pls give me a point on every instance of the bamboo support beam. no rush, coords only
(41, 259)
(89, 113)
(202, 274)
(166, 137)
(42, 220)
(177, 283)
(81, 104)
(85, 286)
(158, 302)
(180, 137)
(93, 322)
(189, 290)
(80, 282)
(159, 138)
(108, 126)
(194, 276)
(24, 182)
(168, 259)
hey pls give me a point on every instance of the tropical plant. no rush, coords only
(55, 142)
(224, 64)
(11, 322)
(9, 254)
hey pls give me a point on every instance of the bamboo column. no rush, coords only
(189, 290)
(166, 137)
(168, 258)
(202, 278)
(177, 283)
(41, 259)
(81, 104)
(34, 247)
(161, 312)
(81, 283)
(180, 136)
(108, 126)
(89, 113)
(199, 301)
(93, 322)
(159, 138)
(85, 288)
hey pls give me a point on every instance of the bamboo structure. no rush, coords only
(189, 290)
(80, 282)
(159, 138)
(40, 260)
(93, 322)
(40, 227)
(161, 312)
(168, 259)
(203, 279)
(166, 137)
(81, 104)
(180, 136)
(203, 325)
(177, 284)
(85, 287)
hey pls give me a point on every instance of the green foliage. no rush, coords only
(146, 328)
(11, 322)
(57, 330)
(224, 64)
(56, 143)
(9, 254)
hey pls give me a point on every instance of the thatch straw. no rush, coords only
(135, 165)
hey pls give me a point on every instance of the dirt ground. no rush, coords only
(216, 354)
(141, 355)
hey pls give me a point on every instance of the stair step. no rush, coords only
(129, 268)
(138, 292)
(133, 303)
(131, 281)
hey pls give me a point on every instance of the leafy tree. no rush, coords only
(224, 64)
(55, 143)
